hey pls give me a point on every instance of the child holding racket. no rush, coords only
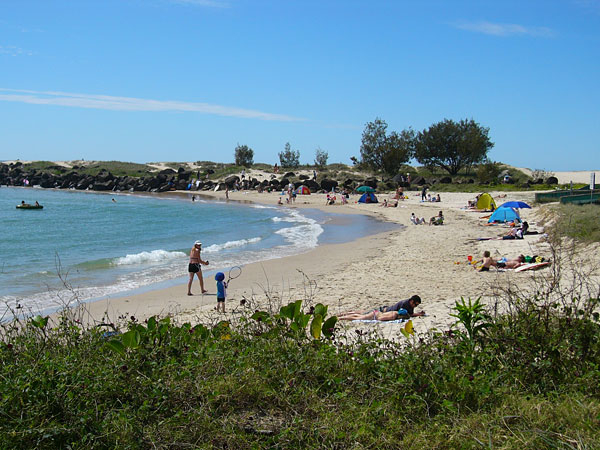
(221, 289)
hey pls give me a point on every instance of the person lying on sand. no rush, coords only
(404, 308)
(488, 262)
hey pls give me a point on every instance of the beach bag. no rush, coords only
(402, 312)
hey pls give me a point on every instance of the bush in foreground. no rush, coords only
(530, 379)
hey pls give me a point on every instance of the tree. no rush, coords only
(244, 156)
(289, 157)
(452, 146)
(386, 153)
(321, 157)
(488, 172)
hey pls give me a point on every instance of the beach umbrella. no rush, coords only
(514, 205)
(364, 189)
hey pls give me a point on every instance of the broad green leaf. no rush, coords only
(287, 311)
(321, 309)
(152, 323)
(404, 332)
(329, 326)
(132, 339)
(302, 320)
(297, 308)
(115, 346)
(260, 316)
(315, 326)
(409, 327)
(39, 321)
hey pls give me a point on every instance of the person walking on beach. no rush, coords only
(424, 194)
(194, 267)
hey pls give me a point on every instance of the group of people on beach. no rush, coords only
(399, 310)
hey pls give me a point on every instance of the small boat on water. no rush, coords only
(28, 206)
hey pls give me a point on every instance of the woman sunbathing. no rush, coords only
(488, 261)
(401, 309)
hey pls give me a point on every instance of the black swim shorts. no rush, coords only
(193, 267)
(220, 300)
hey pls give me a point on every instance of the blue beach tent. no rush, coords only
(368, 197)
(504, 215)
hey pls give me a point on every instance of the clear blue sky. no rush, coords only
(187, 80)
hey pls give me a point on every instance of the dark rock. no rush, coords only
(419, 181)
(231, 180)
(303, 177)
(371, 182)
(446, 180)
(312, 185)
(168, 171)
(289, 175)
(327, 184)
(104, 186)
(551, 180)
(183, 175)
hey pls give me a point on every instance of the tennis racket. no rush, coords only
(234, 272)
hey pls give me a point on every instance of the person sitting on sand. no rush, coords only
(403, 308)
(279, 202)
(414, 219)
(437, 220)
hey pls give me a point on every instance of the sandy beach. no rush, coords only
(430, 261)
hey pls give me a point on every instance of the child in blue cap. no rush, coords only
(221, 288)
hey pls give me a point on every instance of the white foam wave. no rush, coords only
(231, 244)
(303, 236)
(145, 257)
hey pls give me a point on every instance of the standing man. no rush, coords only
(424, 193)
(195, 268)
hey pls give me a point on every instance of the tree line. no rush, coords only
(447, 145)
(244, 156)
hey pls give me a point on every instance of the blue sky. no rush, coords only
(187, 80)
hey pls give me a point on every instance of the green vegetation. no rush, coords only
(244, 156)
(289, 158)
(479, 178)
(452, 145)
(117, 168)
(530, 379)
(579, 222)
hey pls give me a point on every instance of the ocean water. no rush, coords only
(84, 246)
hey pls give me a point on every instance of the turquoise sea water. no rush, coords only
(84, 245)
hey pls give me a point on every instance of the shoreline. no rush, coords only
(362, 274)
(257, 277)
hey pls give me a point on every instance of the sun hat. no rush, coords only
(197, 243)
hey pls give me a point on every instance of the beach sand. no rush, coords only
(430, 261)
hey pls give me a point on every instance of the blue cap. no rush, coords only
(220, 276)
